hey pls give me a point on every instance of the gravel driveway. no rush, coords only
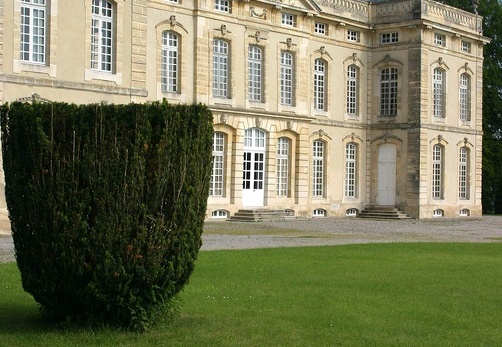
(332, 231)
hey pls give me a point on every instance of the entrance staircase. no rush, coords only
(383, 212)
(262, 215)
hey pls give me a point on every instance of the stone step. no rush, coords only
(261, 215)
(382, 212)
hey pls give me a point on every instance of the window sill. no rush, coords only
(103, 76)
(21, 66)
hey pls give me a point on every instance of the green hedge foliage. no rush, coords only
(107, 205)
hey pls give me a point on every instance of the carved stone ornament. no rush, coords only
(289, 125)
(35, 97)
(253, 13)
(224, 118)
(258, 122)
(172, 20)
(258, 36)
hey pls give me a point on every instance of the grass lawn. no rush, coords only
(421, 294)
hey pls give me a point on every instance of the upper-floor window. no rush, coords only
(320, 28)
(220, 68)
(255, 62)
(288, 19)
(318, 168)
(439, 39)
(169, 62)
(286, 79)
(389, 37)
(350, 170)
(388, 91)
(465, 46)
(353, 35)
(33, 31)
(217, 173)
(465, 97)
(283, 145)
(463, 173)
(102, 35)
(222, 5)
(319, 84)
(352, 86)
(437, 172)
(438, 80)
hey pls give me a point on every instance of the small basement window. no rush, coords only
(319, 212)
(464, 212)
(219, 214)
(351, 212)
(438, 213)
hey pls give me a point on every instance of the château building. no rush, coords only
(321, 107)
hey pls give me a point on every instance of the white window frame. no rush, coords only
(464, 212)
(217, 180)
(255, 73)
(351, 212)
(102, 36)
(319, 84)
(222, 6)
(351, 170)
(437, 171)
(353, 35)
(286, 79)
(219, 214)
(386, 38)
(319, 212)
(388, 91)
(288, 19)
(352, 90)
(463, 173)
(318, 155)
(221, 59)
(282, 161)
(440, 39)
(465, 46)
(169, 76)
(320, 28)
(465, 98)
(33, 32)
(439, 92)
(438, 213)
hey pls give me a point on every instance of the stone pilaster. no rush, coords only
(138, 45)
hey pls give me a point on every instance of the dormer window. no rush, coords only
(288, 19)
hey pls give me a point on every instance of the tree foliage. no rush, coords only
(491, 10)
(107, 204)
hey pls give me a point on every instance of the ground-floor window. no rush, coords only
(283, 145)
(217, 174)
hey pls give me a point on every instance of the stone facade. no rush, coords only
(386, 141)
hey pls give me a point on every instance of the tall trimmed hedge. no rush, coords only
(107, 204)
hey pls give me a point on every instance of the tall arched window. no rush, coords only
(169, 62)
(255, 77)
(318, 153)
(283, 149)
(438, 89)
(220, 68)
(286, 79)
(102, 35)
(319, 84)
(350, 170)
(463, 173)
(217, 174)
(465, 97)
(388, 91)
(437, 172)
(352, 86)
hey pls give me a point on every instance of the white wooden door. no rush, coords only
(253, 170)
(386, 194)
